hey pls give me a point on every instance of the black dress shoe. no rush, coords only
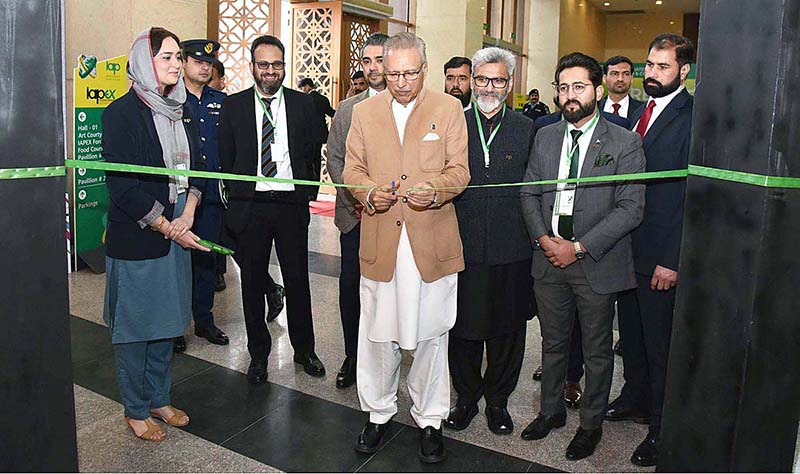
(541, 426)
(311, 364)
(275, 302)
(219, 284)
(460, 416)
(179, 344)
(646, 454)
(347, 374)
(618, 348)
(431, 445)
(257, 372)
(537, 374)
(583, 444)
(499, 420)
(212, 334)
(369, 440)
(621, 410)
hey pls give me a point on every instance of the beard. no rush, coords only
(489, 101)
(653, 88)
(462, 96)
(267, 85)
(584, 110)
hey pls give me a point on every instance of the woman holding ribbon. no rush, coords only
(148, 264)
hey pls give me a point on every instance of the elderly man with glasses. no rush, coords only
(495, 296)
(407, 159)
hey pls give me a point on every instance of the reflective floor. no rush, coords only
(296, 422)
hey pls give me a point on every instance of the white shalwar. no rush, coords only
(405, 313)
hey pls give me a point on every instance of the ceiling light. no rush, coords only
(607, 4)
(659, 2)
(672, 23)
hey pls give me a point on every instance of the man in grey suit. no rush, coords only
(348, 209)
(582, 255)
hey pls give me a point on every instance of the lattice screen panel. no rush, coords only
(240, 22)
(359, 32)
(313, 47)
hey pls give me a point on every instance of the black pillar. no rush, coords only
(37, 415)
(733, 390)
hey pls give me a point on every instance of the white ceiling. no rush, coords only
(685, 6)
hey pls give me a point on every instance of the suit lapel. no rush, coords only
(634, 115)
(553, 160)
(595, 145)
(250, 114)
(667, 116)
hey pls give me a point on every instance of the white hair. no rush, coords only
(405, 40)
(491, 55)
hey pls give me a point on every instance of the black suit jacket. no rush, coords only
(490, 219)
(556, 116)
(239, 154)
(657, 241)
(633, 106)
(130, 137)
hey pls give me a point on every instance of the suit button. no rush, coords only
(405, 199)
(398, 223)
(202, 139)
(403, 177)
(202, 120)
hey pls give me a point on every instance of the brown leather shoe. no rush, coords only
(572, 395)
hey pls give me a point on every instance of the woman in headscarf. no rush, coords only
(148, 237)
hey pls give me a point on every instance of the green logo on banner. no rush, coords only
(87, 65)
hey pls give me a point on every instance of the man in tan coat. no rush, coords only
(407, 155)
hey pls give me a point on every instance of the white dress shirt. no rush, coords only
(584, 141)
(280, 146)
(624, 106)
(661, 104)
(401, 113)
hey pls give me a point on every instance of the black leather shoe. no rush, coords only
(347, 374)
(369, 440)
(431, 445)
(460, 416)
(541, 426)
(212, 334)
(621, 410)
(219, 284)
(257, 372)
(537, 374)
(311, 364)
(646, 454)
(275, 302)
(618, 348)
(179, 344)
(499, 420)
(583, 444)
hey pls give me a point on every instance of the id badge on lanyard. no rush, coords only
(182, 181)
(565, 200)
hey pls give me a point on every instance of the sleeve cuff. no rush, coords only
(151, 216)
(196, 192)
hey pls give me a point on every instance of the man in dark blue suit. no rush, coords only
(645, 315)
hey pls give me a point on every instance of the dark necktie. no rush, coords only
(268, 167)
(565, 222)
(641, 129)
(616, 108)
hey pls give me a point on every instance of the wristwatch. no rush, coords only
(579, 254)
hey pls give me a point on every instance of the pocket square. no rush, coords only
(430, 137)
(603, 160)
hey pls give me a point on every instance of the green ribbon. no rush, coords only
(693, 170)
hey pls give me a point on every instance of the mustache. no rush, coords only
(456, 90)
(653, 82)
(573, 101)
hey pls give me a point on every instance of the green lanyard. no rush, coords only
(570, 146)
(484, 144)
(266, 112)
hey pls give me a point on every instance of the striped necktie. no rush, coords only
(565, 229)
(268, 167)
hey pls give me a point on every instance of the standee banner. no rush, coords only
(97, 84)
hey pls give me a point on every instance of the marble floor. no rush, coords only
(296, 422)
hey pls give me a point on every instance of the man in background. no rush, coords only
(456, 79)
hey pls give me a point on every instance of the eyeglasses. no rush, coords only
(497, 82)
(577, 87)
(408, 75)
(276, 65)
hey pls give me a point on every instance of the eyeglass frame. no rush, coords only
(557, 87)
(492, 79)
(405, 74)
(265, 65)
